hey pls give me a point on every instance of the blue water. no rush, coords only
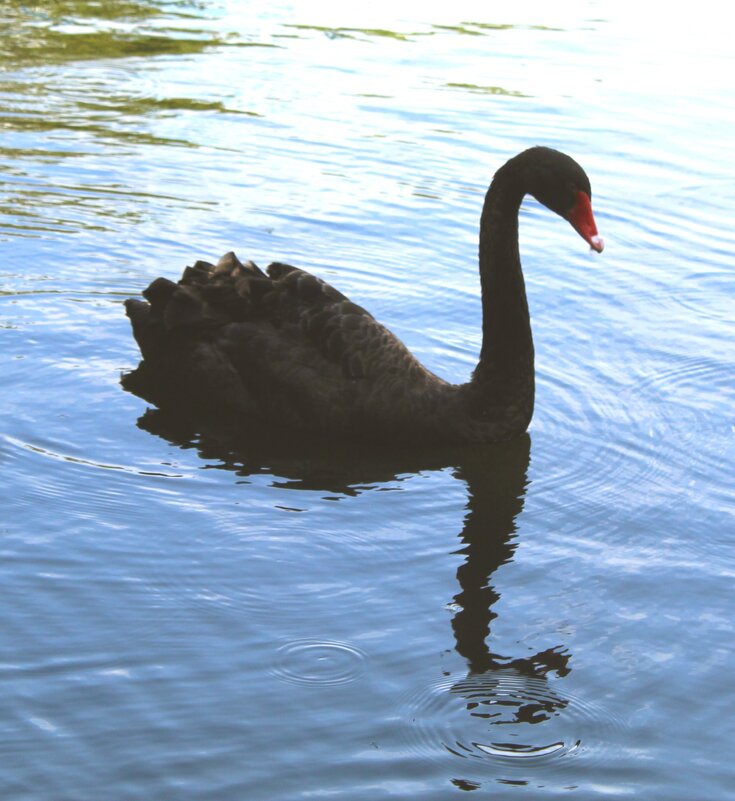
(190, 615)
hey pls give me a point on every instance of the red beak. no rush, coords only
(583, 222)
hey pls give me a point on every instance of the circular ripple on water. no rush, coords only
(697, 386)
(664, 427)
(686, 411)
(319, 662)
(589, 459)
(708, 293)
(584, 477)
(503, 718)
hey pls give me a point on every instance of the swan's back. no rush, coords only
(282, 346)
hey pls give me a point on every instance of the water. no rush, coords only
(189, 616)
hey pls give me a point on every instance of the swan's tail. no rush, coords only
(172, 311)
(171, 328)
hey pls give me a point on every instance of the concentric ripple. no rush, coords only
(665, 422)
(503, 718)
(687, 397)
(319, 662)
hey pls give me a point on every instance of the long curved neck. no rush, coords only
(506, 357)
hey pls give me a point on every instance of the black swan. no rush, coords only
(283, 347)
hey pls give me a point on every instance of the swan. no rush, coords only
(284, 348)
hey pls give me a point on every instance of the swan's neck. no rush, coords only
(504, 374)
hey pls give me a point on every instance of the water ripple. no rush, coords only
(319, 662)
(459, 715)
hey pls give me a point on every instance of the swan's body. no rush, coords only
(286, 348)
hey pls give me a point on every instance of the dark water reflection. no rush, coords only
(496, 488)
(498, 689)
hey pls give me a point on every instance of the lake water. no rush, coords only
(187, 615)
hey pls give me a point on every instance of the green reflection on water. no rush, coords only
(95, 127)
(355, 33)
(492, 26)
(457, 29)
(114, 10)
(52, 32)
(144, 105)
(53, 109)
(34, 209)
(488, 90)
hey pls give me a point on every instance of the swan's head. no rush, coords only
(557, 181)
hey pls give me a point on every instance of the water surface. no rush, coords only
(193, 615)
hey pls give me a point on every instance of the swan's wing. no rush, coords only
(283, 339)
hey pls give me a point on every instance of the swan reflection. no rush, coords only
(496, 488)
(498, 689)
